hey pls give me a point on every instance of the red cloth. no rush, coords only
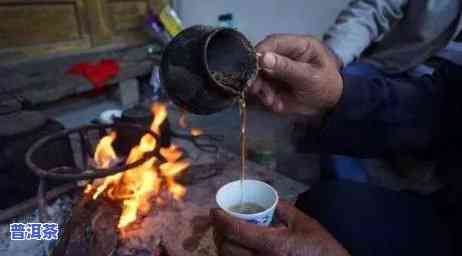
(97, 73)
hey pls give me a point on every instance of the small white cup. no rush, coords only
(254, 192)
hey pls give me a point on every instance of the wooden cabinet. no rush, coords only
(35, 28)
(126, 19)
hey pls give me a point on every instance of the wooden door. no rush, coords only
(35, 28)
(38, 27)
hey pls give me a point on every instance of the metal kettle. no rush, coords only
(204, 69)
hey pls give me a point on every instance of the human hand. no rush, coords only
(299, 235)
(298, 74)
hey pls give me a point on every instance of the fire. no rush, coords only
(104, 153)
(104, 156)
(183, 123)
(196, 131)
(173, 167)
(172, 153)
(160, 114)
(141, 183)
(176, 189)
(139, 188)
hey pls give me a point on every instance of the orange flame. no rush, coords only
(172, 153)
(183, 122)
(160, 114)
(142, 183)
(136, 187)
(88, 189)
(177, 190)
(196, 131)
(104, 156)
(104, 152)
(173, 167)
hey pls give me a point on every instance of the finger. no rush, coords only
(296, 47)
(263, 94)
(286, 70)
(278, 105)
(286, 212)
(294, 219)
(256, 86)
(267, 95)
(230, 248)
(289, 105)
(218, 238)
(248, 235)
(267, 92)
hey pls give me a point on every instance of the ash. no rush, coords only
(179, 228)
(58, 211)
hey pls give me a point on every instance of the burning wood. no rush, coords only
(136, 187)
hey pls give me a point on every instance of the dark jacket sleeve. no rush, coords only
(378, 116)
(374, 117)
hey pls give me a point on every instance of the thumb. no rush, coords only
(287, 213)
(285, 69)
(294, 219)
(248, 235)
